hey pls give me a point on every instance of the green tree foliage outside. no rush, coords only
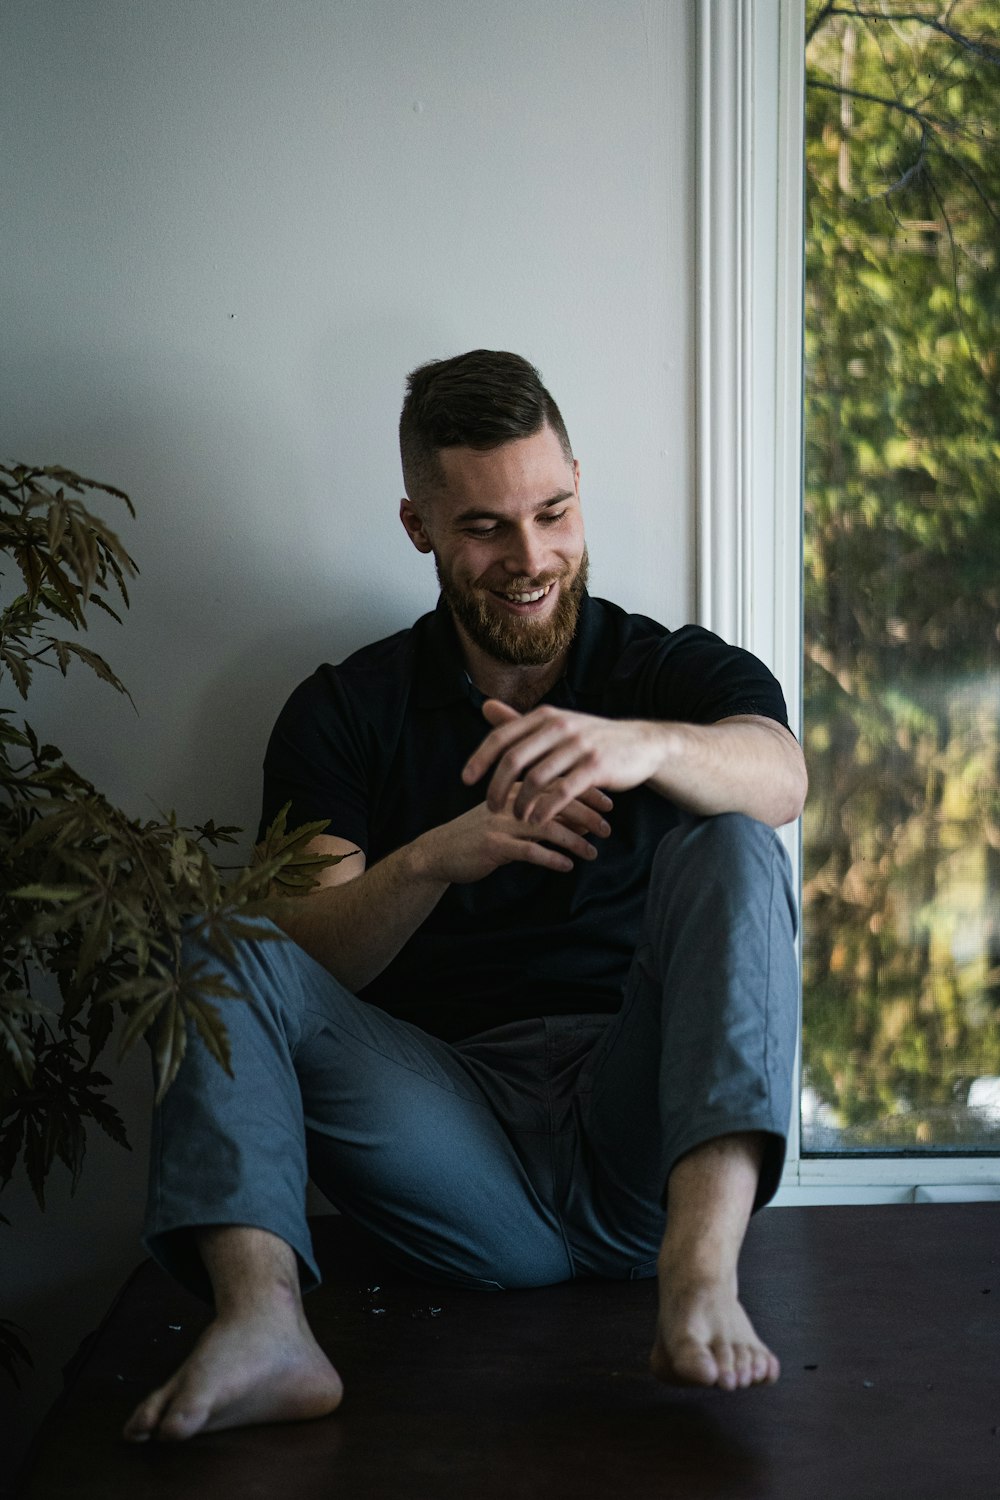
(901, 898)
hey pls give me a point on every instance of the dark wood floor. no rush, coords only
(887, 1321)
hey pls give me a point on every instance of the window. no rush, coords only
(899, 853)
(901, 840)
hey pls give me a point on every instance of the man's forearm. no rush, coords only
(745, 763)
(355, 929)
(739, 765)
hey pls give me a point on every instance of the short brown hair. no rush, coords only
(476, 400)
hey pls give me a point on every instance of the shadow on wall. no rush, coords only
(61, 1267)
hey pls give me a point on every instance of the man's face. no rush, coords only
(507, 537)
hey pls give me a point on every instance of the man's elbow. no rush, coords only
(796, 791)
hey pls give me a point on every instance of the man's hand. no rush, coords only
(745, 763)
(356, 927)
(558, 755)
(472, 846)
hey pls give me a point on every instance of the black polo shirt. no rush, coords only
(376, 745)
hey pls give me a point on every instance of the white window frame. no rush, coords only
(749, 260)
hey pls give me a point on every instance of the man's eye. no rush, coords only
(551, 517)
(480, 531)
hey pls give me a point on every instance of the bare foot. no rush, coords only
(703, 1337)
(264, 1366)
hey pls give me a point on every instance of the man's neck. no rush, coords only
(521, 687)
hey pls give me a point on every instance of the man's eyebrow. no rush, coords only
(478, 514)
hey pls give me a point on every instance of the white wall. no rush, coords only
(230, 229)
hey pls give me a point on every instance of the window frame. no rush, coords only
(750, 122)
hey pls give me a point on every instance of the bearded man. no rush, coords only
(523, 1032)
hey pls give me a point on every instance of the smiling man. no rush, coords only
(526, 1031)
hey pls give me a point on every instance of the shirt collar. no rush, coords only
(440, 677)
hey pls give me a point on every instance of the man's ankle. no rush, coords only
(710, 1196)
(250, 1269)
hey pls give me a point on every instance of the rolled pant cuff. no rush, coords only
(174, 1248)
(772, 1162)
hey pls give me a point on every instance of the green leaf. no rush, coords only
(49, 892)
(37, 1160)
(18, 1044)
(169, 1046)
(226, 834)
(210, 1028)
(140, 1019)
(11, 1142)
(9, 735)
(96, 663)
(100, 1024)
(102, 604)
(22, 1004)
(66, 1138)
(17, 667)
(110, 1121)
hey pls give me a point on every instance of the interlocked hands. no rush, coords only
(546, 758)
(472, 846)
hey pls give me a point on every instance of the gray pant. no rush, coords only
(530, 1154)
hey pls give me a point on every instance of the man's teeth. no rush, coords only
(527, 598)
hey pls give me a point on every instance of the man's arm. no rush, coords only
(359, 919)
(745, 763)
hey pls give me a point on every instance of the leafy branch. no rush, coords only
(93, 903)
(979, 48)
(911, 110)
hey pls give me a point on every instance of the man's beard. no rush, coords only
(517, 642)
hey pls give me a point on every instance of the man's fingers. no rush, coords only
(563, 830)
(564, 838)
(525, 835)
(537, 759)
(507, 730)
(597, 799)
(534, 749)
(553, 802)
(532, 851)
(497, 712)
(552, 774)
(583, 819)
(538, 854)
(579, 813)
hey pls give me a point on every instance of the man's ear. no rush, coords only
(413, 526)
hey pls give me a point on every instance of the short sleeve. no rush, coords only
(695, 677)
(316, 761)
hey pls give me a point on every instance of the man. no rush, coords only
(540, 1078)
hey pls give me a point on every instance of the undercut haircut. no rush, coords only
(477, 400)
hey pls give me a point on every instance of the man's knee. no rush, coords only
(261, 967)
(237, 956)
(729, 862)
(723, 842)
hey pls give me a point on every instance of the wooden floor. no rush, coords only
(887, 1321)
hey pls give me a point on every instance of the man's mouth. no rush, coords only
(531, 596)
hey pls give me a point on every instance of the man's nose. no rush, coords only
(526, 554)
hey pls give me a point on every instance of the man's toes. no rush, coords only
(743, 1364)
(689, 1363)
(725, 1359)
(182, 1420)
(758, 1366)
(143, 1422)
(696, 1362)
